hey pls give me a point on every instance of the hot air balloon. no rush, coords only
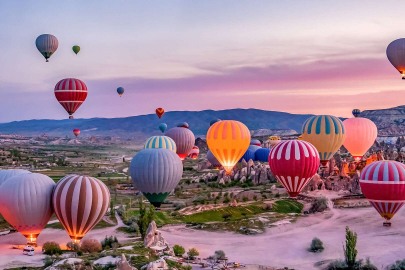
(76, 49)
(255, 142)
(184, 139)
(214, 121)
(160, 142)
(228, 140)
(361, 134)
(294, 163)
(183, 124)
(326, 133)
(213, 160)
(76, 132)
(300, 137)
(47, 44)
(356, 112)
(262, 154)
(156, 172)
(194, 152)
(396, 55)
(120, 90)
(248, 155)
(6, 174)
(274, 140)
(383, 184)
(162, 127)
(26, 203)
(70, 93)
(160, 112)
(80, 202)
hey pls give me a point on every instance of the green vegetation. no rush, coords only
(101, 225)
(192, 253)
(350, 247)
(316, 245)
(51, 248)
(179, 250)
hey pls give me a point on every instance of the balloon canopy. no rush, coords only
(361, 134)
(160, 142)
(160, 112)
(183, 124)
(76, 132)
(120, 90)
(396, 55)
(76, 49)
(255, 142)
(184, 139)
(6, 174)
(262, 154)
(194, 152)
(356, 112)
(213, 160)
(248, 155)
(71, 93)
(274, 140)
(47, 44)
(162, 127)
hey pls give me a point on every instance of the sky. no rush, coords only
(309, 57)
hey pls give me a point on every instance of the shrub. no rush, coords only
(277, 195)
(48, 261)
(337, 265)
(51, 248)
(110, 241)
(226, 200)
(398, 265)
(192, 252)
(220, 255)
(73, 246)
(316, 245)
(319, 205)
(133, 228)
(255, 198)
(90, 246)
(80, 253)
(179, 205)
(226, 216)
(245, 199)
(178, 250)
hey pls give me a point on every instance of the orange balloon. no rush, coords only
(360, 136)
(228, 140)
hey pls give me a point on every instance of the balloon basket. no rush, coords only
(387, 224)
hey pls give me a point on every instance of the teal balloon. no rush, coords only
(163, 127)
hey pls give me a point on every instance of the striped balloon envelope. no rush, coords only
(255, 142)
(294, 163)
(194, 152)
(228, 140)
(47, 45)
(160, 142)
(184, 139)
(80, 202)
(383, 184)
(71, 93)
(326, 133)
(160, 112)
(356, 112)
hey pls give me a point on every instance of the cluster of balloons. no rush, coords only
(79, 202)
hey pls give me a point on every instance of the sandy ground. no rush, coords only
(286, 245)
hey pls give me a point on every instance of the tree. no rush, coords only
(51, 248)
(112, 209)
(350, 250)
(192, 252)
(145, 217)
(73, 246)
(226, 216)
(220, 255)
(123, 159)
(316, 245)
(178, 250)
(90, 246)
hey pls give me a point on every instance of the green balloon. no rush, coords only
(76, 49)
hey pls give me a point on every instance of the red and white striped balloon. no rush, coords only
(294, 163)
(383, 184)
(70, 93)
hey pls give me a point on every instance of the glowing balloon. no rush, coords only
(76, 49)
(71, 93)
(47, 44)
(163, 127)
(160, 142)
(326, 133)
(26, 203)
(396, 55)
(80, 202)
(383, 184)
(228, 140)
(274, 140)
(76, 132)
(184, 139)
(294, 163)
(120, 90)
(194, 152)
(356, 112)
(160, 112)
(361, 134)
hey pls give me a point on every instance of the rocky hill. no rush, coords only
(390, 122)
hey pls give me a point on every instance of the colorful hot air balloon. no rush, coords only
(76, 132)
(214, 121)
(255, 142)
(326, 133)
(356, 112)
(194, 152)
(396, 55)
(383, 184)
(213, 160)
(162, 127)
(262, 154)
(228, 140)
(76, 49)
(184, 139)
(6, 174)
(26, 203)
(274, 140)
(361, 134)
(47, 44)
(156, 172)
(120, 90)
(80, 202)
(160, 112)
(294, 163)
(248, 155)
(183, 124)
(70, 93)
(160, 142)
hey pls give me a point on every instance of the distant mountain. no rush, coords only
(146, 125)
(390, 122)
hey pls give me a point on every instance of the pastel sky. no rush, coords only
(319, 57)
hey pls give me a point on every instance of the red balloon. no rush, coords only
(160, 112)
(294, 163)
(70, 93)
(76, 132)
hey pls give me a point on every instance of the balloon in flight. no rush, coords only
(76, 49)
(80, 202)
(396, 55)
(70, 93)
(156, 172)
(47, 44)
(160, 142)
(194, 152)
(228, 141)
(356, 112)
(274, 140)
(162, 127)
(184, 139)
(76, 132)
(26, 203)
(160, 112)
(294, 163)
(120, 90)
(326, 133)
(183, 124)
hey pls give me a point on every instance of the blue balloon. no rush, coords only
(262, 154)
(356, 112)
(120, 90)
(163, 127)
(249, 155)
(254, 148)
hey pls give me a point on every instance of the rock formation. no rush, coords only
(124, 264)
(154, 239)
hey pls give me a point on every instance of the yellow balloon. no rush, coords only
(228, 140)
(326, 133)
(274, 140)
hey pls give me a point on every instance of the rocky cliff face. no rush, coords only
(272, 132)
(390, 122)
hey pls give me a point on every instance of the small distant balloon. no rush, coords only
(47, 44)
(163, 127)
(356, 112)
(160, 112)
(76, 49)
(76, 132)
(183, 124)
(214, 121)
(120, 90)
